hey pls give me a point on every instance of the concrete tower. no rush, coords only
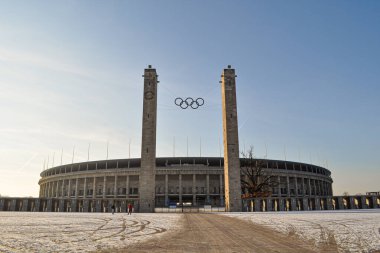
(148, 143)
(232, 188)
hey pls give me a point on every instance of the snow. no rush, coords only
(80, 232)
(350, 230)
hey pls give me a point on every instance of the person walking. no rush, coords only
(113, 208)
(130, 207)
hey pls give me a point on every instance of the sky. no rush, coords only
(308, 84)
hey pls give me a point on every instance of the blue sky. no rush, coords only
(307, 86)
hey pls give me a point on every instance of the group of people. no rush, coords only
(129, 208)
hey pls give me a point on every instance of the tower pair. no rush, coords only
(232, 187)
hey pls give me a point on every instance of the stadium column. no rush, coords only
(148, 143)
(194, 189)
(309, 186)
(63, 188)
(94, 188)
(127, 187)
(69, 189)
(303, 187)
(76, 188)
(208, 188)
(166, 189)
(104, 186)
(115, 188)
(85, 188)
(220, 190)
(287, 186)
(57, 189)
(232, 183)
(180, 188)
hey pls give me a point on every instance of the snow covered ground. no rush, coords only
(349, 230)
(79, 232)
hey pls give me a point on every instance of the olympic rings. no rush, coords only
(185, 103)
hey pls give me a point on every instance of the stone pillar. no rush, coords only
(45, 190)
(25, 205)
(37, 204)
(317, 202)
(287, 187)
(148, 143)
(293, 204)
(309, 186)
(123, 206)
(94, 188)
(63, 188)
(62, 205)
(329, 204)
(279, 186)
(127, 186)
(303, 187)
(166, 190)
(296, 185)
(208, 188)
(305, 204)
(221, 190)
(257, 205)
(57, 190)
(69, 189)
(86, 205)
(269, 204)
(194, 192)
(52, 193)
(49, 190)
(104, 187)
(315, 188)
(374, 202)
(85, 189)
(352, 203)
(115, 188)
(339, 203)
(180, 188)
(99, 206)
(232, 183)
(281, 204)
(76, 188)
(74, 205)
(48, 205)
(363, 202)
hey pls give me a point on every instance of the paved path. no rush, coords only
(218, 233)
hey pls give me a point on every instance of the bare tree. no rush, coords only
(256, 179)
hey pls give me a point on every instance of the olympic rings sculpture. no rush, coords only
(185, 103)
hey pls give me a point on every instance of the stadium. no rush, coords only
(186, 181)
(182, 184)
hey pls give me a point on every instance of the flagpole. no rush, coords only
(72, 159)
(61, 155)
(129, 148)
(107, 149)
(88, 152)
